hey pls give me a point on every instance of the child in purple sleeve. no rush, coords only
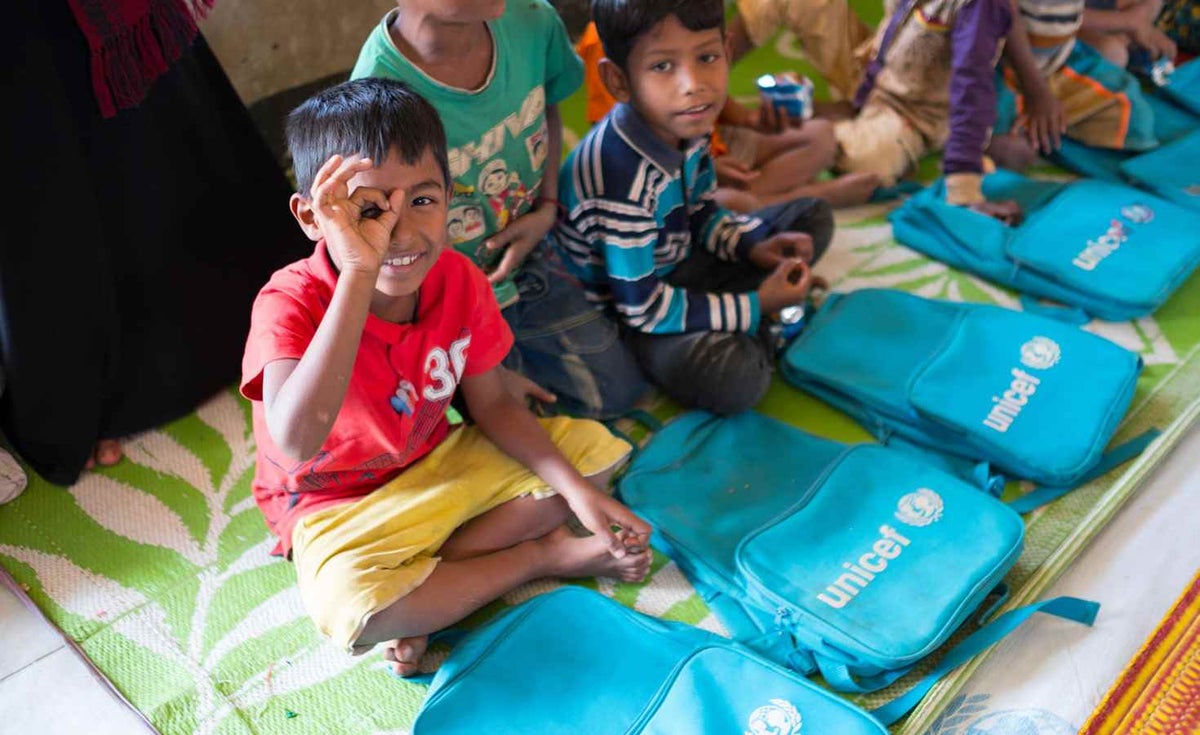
(928, 85)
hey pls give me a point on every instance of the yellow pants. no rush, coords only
(356, 559)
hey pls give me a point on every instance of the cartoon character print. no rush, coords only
(465, 223)
(493, 184)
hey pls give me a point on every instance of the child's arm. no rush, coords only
(1138, 20)
(302, 397)
(1043, 117)
(649, 304)
(524, 233)
(513, 429)
(974, 42)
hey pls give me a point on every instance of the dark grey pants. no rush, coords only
(725, 372)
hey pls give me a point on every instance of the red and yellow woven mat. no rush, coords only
(1158, 693)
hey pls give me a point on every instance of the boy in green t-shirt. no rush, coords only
(495, 72)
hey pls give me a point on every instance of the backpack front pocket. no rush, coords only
(1111, 242)
(719, 691)
(885, 558)
(1038, 397)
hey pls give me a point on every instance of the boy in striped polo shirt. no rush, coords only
(690, 283)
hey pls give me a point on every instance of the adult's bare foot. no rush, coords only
(404, 654)
(573, 556)
(106, 453)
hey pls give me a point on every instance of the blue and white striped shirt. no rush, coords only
(634, 208)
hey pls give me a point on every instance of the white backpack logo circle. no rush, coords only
(780, 717)
(920, 508)
(1040, 353)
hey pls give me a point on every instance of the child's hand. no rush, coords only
(609, 519)
(772, 120)
(1043, 120)
(780, 247)
(357, 226)
(1155, 41)
(788, 285)
(734, 173)
(519, 239)
(524, 389)
(1007, 211)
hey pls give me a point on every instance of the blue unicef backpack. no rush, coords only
(1172, 171)
(1030, 396)
(572, 661)
(1183, 86)
(1171, 122)
(1110, 250)
(856, 561)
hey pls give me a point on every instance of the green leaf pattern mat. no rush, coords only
(158, 569)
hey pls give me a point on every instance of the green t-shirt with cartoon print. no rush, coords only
(496, 134)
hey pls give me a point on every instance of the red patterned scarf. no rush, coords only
(133, 42)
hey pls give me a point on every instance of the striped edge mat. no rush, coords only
(1158, 693)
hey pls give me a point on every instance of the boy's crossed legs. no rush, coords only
(725, 372)
(452, 533)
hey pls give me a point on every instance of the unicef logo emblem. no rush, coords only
(920, 508)
(779, 717)
(1040, 353)
(1139, 214)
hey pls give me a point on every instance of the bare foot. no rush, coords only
(1013, 152)
(572, 556)
(846, 190)
(405, 654)
(106, 454)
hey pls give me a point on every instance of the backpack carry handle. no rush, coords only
(1111, 459)
(1067, 314)
(1068, 608)
(647, 420)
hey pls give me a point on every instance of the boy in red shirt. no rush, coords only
(398, 525)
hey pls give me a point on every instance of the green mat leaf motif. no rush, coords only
(160, 566)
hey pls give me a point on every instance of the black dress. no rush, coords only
(131, 247)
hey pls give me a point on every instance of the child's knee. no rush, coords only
(342, 593)
(823, 140)
(881, 144)
(820, 227)
(607, 384)
(728, 373)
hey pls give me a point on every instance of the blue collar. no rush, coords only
(637, 133)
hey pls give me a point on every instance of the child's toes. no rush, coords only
(405, 654)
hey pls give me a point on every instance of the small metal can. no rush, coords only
(789, 92)
(785, 327)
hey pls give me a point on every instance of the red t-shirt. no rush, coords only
(394, 412)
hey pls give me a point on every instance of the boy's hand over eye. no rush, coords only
(519, 239)
(780, 247)
(1007, 211)
(788, 285)
(600, 513)
(357, 225)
